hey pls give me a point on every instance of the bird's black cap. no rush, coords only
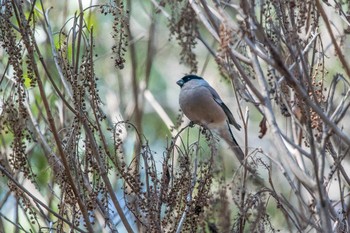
(187, 78)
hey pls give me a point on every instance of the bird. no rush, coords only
(202, 105)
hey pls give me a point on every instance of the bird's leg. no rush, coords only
(191, 124)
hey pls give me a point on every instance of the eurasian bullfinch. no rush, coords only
(203, 106)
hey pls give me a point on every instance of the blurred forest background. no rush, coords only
(92, 138)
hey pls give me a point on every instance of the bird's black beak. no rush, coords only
(180, 82)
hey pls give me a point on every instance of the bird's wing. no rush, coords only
(227, 111)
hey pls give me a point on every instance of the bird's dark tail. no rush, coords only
(227, 135)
